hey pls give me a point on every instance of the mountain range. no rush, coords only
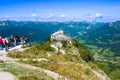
(105, 35)
(102, 39)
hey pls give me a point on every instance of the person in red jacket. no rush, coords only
(1, 43)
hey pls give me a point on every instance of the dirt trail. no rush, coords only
(101, 76)
(6, 76)
(6, 59)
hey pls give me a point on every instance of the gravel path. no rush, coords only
(6, 76)
(101, 76)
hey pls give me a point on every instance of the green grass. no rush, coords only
(87, 71)
(72, 70)
(68, 64)
(23, 73)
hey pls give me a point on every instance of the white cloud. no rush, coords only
(98, 15)
(95, 16)
(62, 16)
(34, 15)
(6, 16)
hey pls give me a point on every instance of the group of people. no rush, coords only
(12, 41)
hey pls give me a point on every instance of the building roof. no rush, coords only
(58, 32)
(59, 35)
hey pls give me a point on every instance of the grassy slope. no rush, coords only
(69, 65)
(22, 73)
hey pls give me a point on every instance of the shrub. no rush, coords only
(43, 46)
(86, 55)
(64, 43)
(87, 71)
(75, 43)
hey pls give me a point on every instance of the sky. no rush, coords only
(60, 10)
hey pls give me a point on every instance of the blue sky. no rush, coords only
(60, 10)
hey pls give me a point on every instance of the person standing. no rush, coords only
(12, 40)
(23, 39)
(17, 40)
(5, 42)
(1, 43)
